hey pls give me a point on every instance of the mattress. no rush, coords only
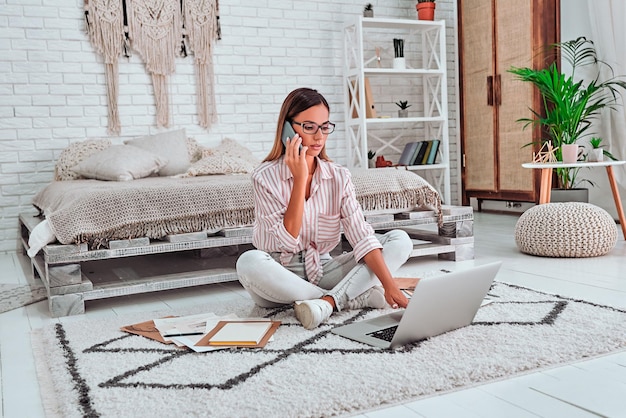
(95, 212)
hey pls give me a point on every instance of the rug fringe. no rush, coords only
(47, 391)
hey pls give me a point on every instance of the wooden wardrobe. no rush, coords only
(493, 36)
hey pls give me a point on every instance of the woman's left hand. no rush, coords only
(395, 297)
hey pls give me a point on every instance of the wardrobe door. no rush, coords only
(477, 49)
(514, 48)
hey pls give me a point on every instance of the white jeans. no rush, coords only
(271, 284)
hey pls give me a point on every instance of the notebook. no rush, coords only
(439, 304)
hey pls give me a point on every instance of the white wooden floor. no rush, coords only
(587, 389)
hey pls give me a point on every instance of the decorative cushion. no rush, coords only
(74, 154)
(571, 229)
(171, 146)
(228, 158)
(233, 148)
(218, 164)
(120, 163)
(194, 150)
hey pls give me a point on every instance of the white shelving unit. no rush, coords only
(368, 55)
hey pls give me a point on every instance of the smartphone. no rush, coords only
(288, 132)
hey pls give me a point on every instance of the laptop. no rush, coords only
(439, 304)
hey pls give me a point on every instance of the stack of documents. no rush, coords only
(207, 331)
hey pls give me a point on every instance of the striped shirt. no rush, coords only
(331, 207)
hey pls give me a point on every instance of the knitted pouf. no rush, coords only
(571, 229)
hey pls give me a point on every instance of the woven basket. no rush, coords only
(571, 229)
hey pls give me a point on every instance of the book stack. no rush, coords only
(419, 153)
(207, 331)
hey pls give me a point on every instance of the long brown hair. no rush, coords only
(297, 101)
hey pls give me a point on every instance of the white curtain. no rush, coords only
(609, 37)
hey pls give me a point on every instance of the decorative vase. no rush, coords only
(399, 63)
(403, 113)
(570, 153)
(368, 13)
(425, 11)
(371, 163)
(596, 155)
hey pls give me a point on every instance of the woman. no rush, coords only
(302, 201)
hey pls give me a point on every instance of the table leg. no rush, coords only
(546, 185)
(616, 197)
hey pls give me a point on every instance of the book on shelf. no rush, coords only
(408, 154)
(420, 155)
(418, 149)
(432, 156)
(427, 153)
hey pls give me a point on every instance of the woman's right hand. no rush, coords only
(295, 158)
(297, 164)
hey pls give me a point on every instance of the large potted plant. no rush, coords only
(570, 105)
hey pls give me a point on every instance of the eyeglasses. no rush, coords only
(311, 128)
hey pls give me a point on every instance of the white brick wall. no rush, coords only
(52, 89)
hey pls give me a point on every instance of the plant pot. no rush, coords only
(571, 152)
(596, 155)
(399, 63)
(371, 163)
(368, 13)
(403, 113)
(569, 195)
(425, 11)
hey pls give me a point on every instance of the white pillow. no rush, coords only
(40, 236)
(170, 145)
(120, 163)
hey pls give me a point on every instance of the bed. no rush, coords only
(206, 214)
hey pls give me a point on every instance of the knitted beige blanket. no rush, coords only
(95, 212)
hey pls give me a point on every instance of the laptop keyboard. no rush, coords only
(385, 334)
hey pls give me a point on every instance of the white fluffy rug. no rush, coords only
(90, 368)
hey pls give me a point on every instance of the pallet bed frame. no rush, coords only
(68, 284)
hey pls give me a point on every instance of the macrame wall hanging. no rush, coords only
(155, 29)
(201, 30)
(105, 27)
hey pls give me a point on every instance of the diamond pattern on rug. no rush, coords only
(245, 366)
(315, 372)
(17, 296)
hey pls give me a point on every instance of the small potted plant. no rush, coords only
(368, 11)
(403, 105)
(370, 159)
(597, 153)
(425, 9)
